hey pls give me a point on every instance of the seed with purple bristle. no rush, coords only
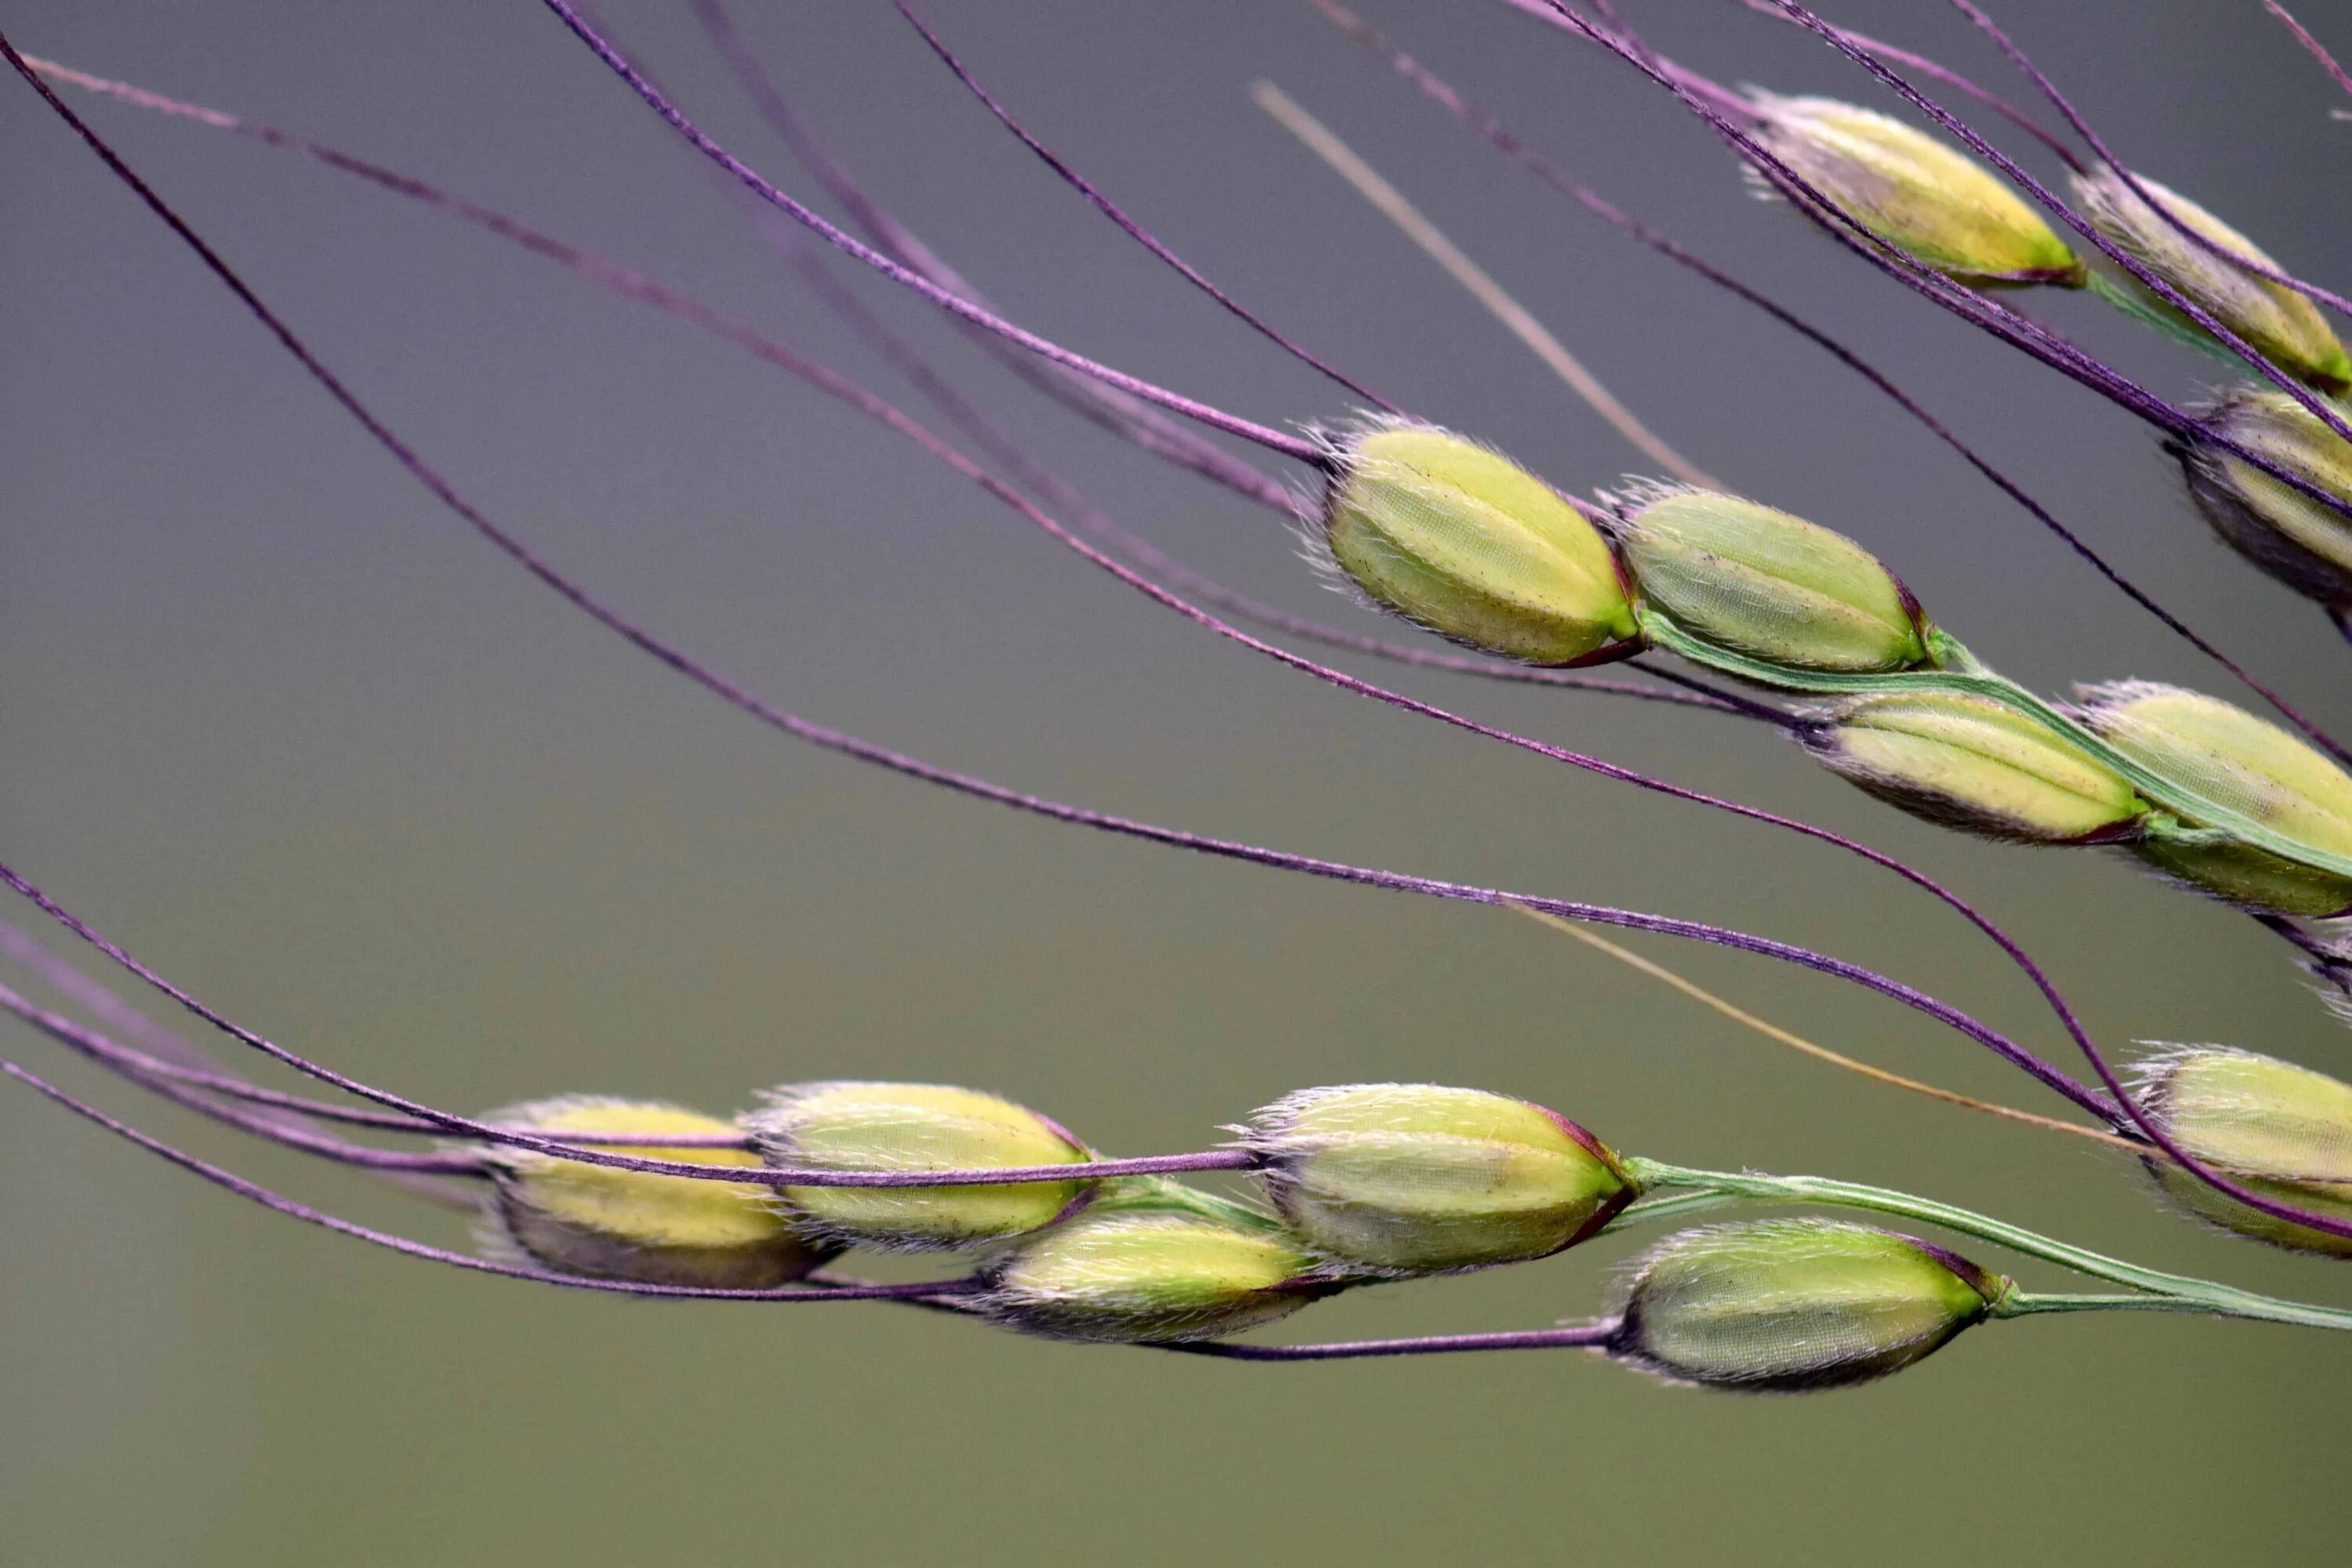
(1914, 192)
(1153, 1263)
(2284, 1130)
(2282, 325)
(2302, 541)
(633, 1225)
(1414, 1178)
(913, 1127)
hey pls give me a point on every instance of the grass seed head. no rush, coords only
(2287, 327)
(1413, 1178)
(1463, 541)
(2282, 1129)
(631, 1225)
(1784, 1306)
(913, 1127)
(1768, 585)
(1152, 1264)
(1977, 764)
(1914, 191)
(2300, 542)
(2226, 754)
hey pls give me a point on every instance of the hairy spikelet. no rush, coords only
(1786, 1306)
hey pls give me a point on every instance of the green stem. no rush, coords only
(1966, 677)
(1673, 1207)
(1164, 1193)
(2024, 1303)
(2150, 311)
(2190, 1294)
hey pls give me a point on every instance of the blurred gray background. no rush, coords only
(287, 730)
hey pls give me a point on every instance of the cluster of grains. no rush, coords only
(1361, 1182)
(1956, 216)
(1366, 1181)
(1976, 764)
(1950, 212)
(1464, 543)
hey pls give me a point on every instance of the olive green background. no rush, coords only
(283, 727)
